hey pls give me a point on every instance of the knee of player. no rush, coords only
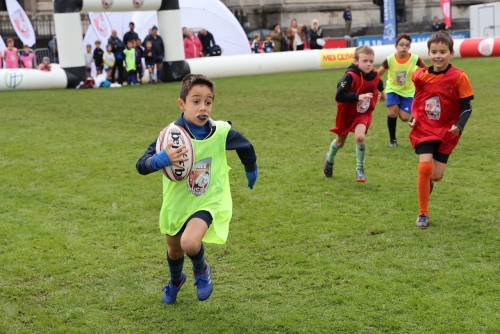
(437, 178)
(190, 245)
(360, 139)
(174, 253)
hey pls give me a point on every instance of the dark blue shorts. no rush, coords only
(203, 215)
(88, 69)
(99, 68)
(158, 59)
(404, 103)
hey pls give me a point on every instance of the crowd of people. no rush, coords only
(11, 57)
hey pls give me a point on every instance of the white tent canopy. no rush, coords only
(212, 15)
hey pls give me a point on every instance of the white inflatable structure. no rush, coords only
(175, 67)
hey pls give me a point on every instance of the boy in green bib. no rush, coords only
(198, 208)
(130, 64)
(399, 87)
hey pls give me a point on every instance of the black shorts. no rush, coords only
(203, 215)
(150, 64)
(433, 148)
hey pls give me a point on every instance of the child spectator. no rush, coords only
(441, 108)
(1, 59)
(27, 58)
(356, 98)
(109, 61)
(98, 57)
(256, 44)
(192, 46)
(89, 58)
(130, 64)
(268, 44)
(192, 213)
(11, 56)
(399, 88)
(149, 59)
(138, 58)
(45, 65)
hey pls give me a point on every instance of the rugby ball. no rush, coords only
(177, 136)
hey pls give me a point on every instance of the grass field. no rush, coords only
(81, 252)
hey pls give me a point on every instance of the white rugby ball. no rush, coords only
(177, 136)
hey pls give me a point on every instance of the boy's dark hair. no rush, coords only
(98, 42)
(10, 40)
(363, 49)
(443, 37)
(192, 80)
(403, 36)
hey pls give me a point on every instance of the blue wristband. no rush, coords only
(160, 160)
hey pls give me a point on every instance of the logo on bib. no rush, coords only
(401, 78)
(198, 180)
(363, 106)
(433, 108)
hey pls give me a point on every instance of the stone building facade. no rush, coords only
(264, 13)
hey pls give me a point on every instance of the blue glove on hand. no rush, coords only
(160, 160)
(252, 177)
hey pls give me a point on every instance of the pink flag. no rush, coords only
(446, 9)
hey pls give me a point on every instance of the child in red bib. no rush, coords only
(441, 108)
(357, 94)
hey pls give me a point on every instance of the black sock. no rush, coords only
(198, 260)
(391, 125)
(175, 267)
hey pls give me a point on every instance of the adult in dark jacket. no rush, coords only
(314, 33)
(348, 20)
(130, 35)
(207, 40)
(117, 48)
(159, 49)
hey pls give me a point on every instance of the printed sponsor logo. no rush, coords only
(13, 79)
(363, 106)
(433, 108)
(485, 47)
(198, 180)
(137, 3)
(107, 4)
(21, 23)
(401, 78)
(336, 57)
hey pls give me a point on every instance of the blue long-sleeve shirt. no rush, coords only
(234, 141)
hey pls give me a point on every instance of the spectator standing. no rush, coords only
(130, 63)
(296, 35)
(138, 58)
(130, 35)
(159, 49)
(26, 58)
(192, 46)
(184, 32)
(348, 20)
(314, 33)
(276, 37)
(117, 47)
(149, 60)
(256, 44)
(436, 26)
(45, 65)
(268, 44)
(109, 61)
(10, 54)
(53, 50)
(98, 57)
(1, 59)
(89, 58)
(207, 40)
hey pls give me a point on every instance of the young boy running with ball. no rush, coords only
(399, 88)
(356, 97)
(441, 108)
(193, 213)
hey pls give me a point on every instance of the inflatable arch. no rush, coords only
(71, 69)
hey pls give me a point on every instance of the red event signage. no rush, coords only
(480, 47)
(446, 10)
(335, 44)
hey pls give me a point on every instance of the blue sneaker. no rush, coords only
(170, 291)
(422, 221)
(203, 283)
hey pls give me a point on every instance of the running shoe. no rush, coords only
(170, 291)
